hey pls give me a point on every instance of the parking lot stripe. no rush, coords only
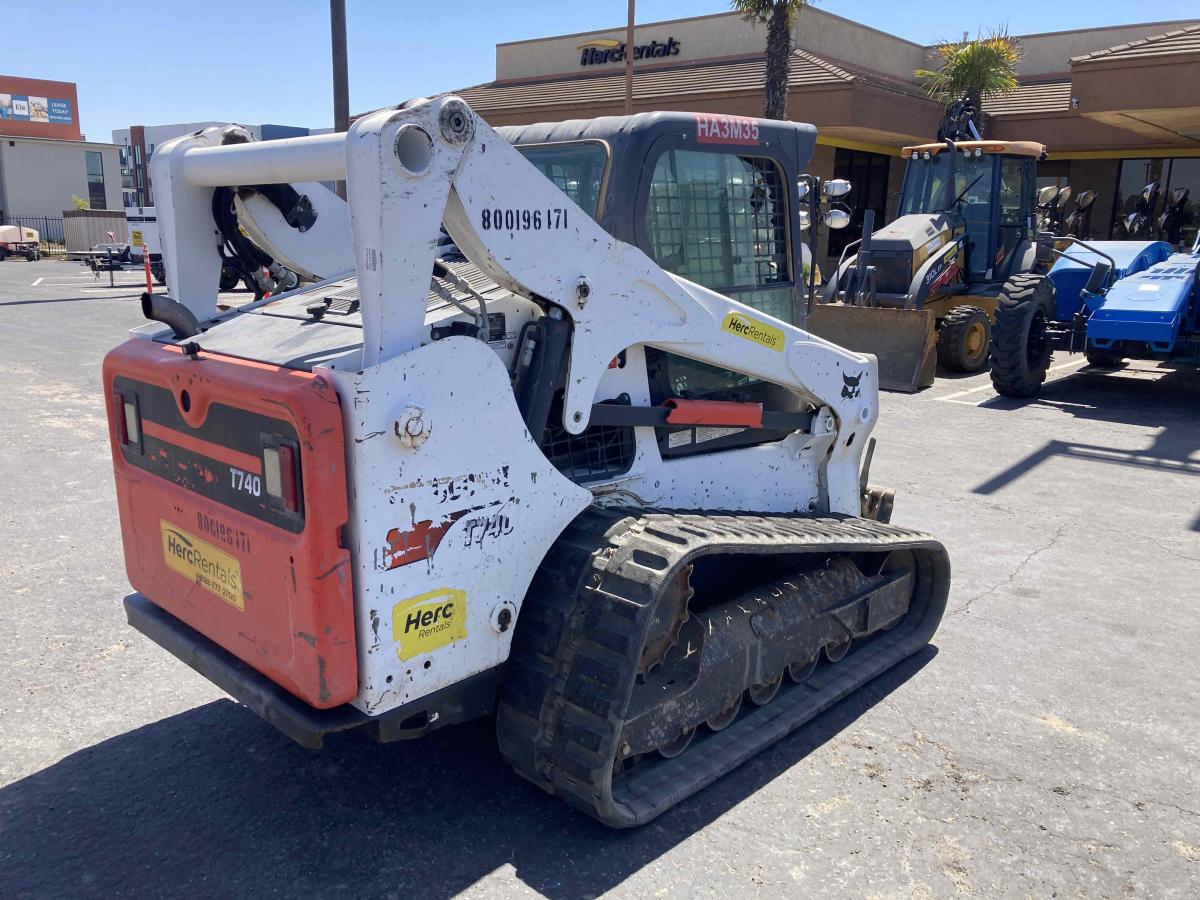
(1073, 364)
(39, 281)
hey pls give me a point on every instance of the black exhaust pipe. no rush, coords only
(172, 313)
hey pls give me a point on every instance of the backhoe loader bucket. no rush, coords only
(904, 341)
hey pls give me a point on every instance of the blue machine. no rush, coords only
(1113, 300)
(1144, 303)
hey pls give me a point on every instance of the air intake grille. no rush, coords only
(893, 274)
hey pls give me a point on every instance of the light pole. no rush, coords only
(629, 61)
(341, 78)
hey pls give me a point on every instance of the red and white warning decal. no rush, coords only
(712, 128)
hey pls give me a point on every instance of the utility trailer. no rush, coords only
(17, 240)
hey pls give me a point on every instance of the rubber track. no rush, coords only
(582, 628)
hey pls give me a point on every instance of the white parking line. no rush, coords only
(39, 281)
(1073, 364)
(74, 284)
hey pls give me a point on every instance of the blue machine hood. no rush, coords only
(1070, 276)
(1153, 296)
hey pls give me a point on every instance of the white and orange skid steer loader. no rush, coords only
(442, 478)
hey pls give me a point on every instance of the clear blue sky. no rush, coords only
(260, 61)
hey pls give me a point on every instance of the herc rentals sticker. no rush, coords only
(212, 569)
(428, 621)
(753, 330)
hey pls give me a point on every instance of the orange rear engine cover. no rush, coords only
(231, 483)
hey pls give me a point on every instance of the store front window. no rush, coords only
(1054, 173)
(868, 177)
(1157, 199)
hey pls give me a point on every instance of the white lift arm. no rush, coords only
(409, 170)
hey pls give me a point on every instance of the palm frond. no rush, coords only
(760, 11)
(986, 65)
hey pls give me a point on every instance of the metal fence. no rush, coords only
(49, 228)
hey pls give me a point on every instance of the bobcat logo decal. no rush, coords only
(850, 388)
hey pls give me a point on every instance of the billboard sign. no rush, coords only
(24, 108)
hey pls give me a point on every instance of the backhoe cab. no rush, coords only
(923, 289)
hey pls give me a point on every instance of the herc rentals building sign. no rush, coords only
(599, 51)
(31, 107)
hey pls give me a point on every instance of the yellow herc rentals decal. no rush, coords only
(429, 621)
(753, 330)
(196, 560)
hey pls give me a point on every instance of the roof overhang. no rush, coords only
(835, 99)
(1148, 87)
(1154, 97)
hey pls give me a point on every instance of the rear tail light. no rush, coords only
(127, 418)
(281, 475)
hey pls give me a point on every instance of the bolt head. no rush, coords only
(411, 427)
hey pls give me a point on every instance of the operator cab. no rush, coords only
(991, 185)
(710, 198)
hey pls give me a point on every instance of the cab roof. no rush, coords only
(1008, 148)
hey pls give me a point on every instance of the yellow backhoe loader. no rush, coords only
(923, 289)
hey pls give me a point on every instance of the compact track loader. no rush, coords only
(512, 465)
(924, 289)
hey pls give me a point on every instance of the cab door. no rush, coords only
(722, 219)
(1014, 213)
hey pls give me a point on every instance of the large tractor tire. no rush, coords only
(1021, 345)
(963, 339)
(1103, 360)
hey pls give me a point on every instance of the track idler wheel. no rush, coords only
(800, 672)
(722, 720)
(762, 694)
(673, 748)
(836, 652)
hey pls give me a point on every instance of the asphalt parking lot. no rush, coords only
(1046, 744)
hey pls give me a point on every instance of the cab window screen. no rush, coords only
(576, 169)
(719, 219)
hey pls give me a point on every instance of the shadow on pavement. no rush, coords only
(214, 802)
(1170, 403)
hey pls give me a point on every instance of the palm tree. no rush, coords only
(779, 16)
(974, 69)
